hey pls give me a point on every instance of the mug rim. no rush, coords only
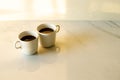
(32, 32)
(47, 25)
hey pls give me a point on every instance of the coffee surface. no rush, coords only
(46, 30)
(28, 38)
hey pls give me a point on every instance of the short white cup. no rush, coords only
(27, 47)
(48, 40)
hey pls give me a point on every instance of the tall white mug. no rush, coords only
(27, 47)
(47, 34)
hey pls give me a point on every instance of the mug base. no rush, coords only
(48, 46)
(30, 54)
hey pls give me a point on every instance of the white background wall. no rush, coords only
(59, 9)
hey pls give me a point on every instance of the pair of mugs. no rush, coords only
(28, 40)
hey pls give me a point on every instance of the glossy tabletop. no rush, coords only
(84, 50)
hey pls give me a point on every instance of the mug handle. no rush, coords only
(58, 28)
(17, 47)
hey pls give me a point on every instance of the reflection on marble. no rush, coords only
(111, 27)
(28, 63)
(32, 63)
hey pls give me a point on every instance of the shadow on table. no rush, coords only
(71, 41)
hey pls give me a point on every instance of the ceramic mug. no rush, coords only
(28, 42)
(47, 34)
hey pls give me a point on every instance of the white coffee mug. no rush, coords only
(27, 47)
(48, 39)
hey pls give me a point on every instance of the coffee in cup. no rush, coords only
(28, 38)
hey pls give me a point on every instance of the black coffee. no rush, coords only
(28, 38)
(46, 30)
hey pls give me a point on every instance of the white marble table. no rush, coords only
(85, 50)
